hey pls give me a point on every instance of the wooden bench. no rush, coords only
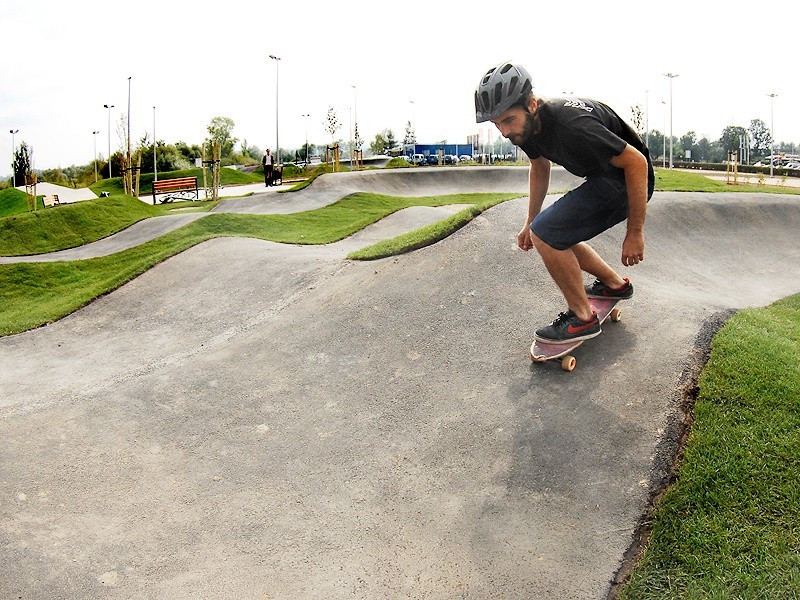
(181, 188)
(50, 201)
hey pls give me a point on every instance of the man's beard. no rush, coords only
(528, 130)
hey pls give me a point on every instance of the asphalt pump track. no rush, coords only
(255, 420)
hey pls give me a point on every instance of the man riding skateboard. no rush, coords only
(589, 140)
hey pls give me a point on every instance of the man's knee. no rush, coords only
(541, 246)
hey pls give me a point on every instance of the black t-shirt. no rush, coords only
(583, 136)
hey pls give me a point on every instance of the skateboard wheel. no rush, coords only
(616, 315)
(568, 363)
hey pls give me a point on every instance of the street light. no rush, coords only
(306, 116)
(772, 135)
(355, 117)
(671, 77)
(155, 164)
(13, 132)
(413, 130)
(129, 123)
(94, 136)
(277, 84)
(109, 107)
(664, 138)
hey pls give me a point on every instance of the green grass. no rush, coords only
(730, 526)
(424, 236)
(684, 181)
(13, 201)
(226, 177)
(32, 294)
(72, 225)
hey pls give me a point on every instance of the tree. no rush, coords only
(391, 141)
(689, 142)
(656, 145)
(731, 137)
(332, 124)
(359, 143)
(411, 136)
(761, 136)
(704, 150)
(23, 162)
(378, 145)
(637, 115)
(220, 130)
(384, 141)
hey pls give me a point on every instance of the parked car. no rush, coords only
(418, 159)
(433, 159)
(465, 157)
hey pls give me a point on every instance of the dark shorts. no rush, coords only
(585, 212)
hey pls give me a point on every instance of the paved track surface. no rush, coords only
(253, 420)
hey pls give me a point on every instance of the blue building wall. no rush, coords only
(428, 149)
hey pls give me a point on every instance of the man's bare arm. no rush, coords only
(634, 164)
(539, 183)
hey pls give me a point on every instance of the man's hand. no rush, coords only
(633, 248)
(524, 239)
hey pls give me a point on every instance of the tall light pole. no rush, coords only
(306, 116)
(413, 130)
(13, 132)
(355, 117)
(155, 163)
(772, 135)
(94, 136)
(664, 138)
(129, 123)
(109, 107)
(671, 77)
(277, 99)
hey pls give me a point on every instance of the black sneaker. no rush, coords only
(569, 328)
(600, 290)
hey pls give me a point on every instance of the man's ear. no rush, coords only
(533, 105)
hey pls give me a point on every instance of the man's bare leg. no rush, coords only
(591, 263)
(565, 269)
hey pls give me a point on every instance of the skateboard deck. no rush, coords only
(544, 351)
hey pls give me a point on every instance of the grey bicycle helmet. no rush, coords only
(502, 87)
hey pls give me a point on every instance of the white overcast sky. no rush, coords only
(61, 62)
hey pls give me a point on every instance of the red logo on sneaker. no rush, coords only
(580, 328)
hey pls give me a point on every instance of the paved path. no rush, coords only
(255, 420)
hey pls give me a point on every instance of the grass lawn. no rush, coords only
(13, 202)
(72, 225)
(684, 181)
(226, 177)
(32, 294)
(730, 526)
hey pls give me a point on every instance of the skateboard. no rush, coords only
(544, 351)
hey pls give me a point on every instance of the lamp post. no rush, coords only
(355, 119)
(13, 132)
(671, 77)
(109, 107)
(413, 130)
(129, 122)
(772, 134)
(155, 162)
(94, 136)
(306, 116)
(664, 138)
(277, 99)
